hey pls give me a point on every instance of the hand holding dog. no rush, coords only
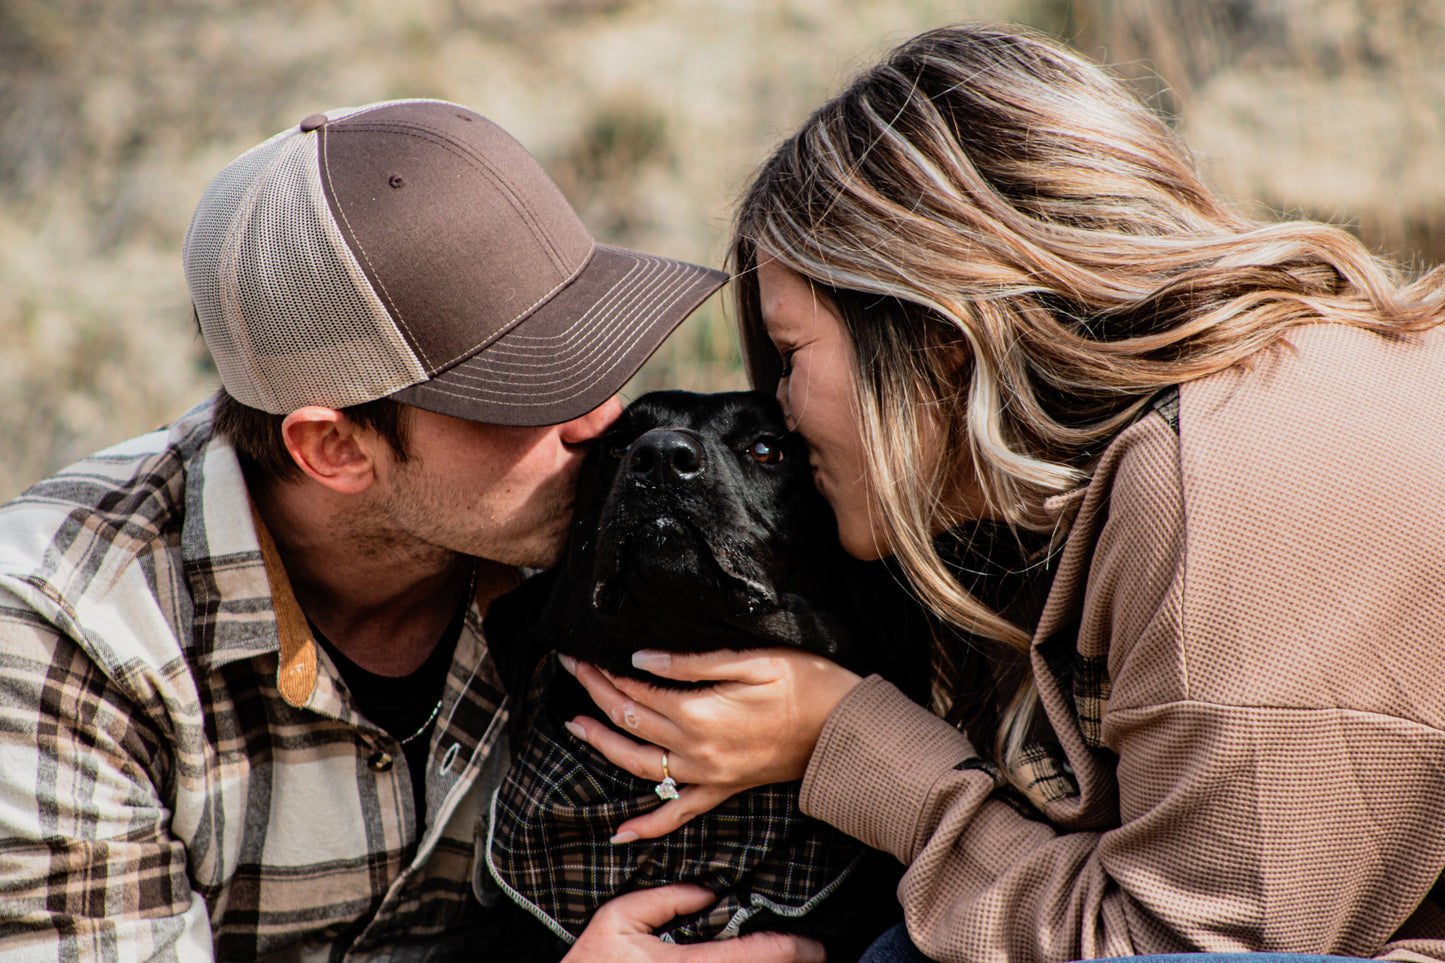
(622, 931)
(756, 724)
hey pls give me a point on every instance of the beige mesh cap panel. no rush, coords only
(413, 249)
(286, 311)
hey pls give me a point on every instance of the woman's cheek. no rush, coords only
(848, 528)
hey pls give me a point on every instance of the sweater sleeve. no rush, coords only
(894, 775)
(904, 749)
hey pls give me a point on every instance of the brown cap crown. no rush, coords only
(414, 249)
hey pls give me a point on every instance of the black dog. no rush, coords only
(697, 527)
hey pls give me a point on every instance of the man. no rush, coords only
(246, 707)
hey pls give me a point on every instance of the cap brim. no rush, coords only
(578, 349)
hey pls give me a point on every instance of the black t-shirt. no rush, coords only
(405, 706)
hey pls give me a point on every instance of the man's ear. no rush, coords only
(330, 448)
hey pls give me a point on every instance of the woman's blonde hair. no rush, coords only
(1022, 255)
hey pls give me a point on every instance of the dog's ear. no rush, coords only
(869, 621)
(546, 612)
(798, 622)
(513, 632)
(550, 610)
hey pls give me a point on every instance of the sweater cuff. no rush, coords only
(876, 762)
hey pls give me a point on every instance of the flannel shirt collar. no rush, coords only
(220, 551)
(296, 672)
(232, 565)
(296, 675)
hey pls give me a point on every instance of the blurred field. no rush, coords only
(650, 114)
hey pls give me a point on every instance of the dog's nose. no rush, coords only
(665, 456)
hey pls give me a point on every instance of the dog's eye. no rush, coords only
(618, 450)
(766, 451)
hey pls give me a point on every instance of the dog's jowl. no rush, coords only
(696, 527)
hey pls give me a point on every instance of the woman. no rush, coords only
(1206, 459)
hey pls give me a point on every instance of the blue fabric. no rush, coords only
(895, 946)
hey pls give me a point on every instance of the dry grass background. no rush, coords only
(649, 113)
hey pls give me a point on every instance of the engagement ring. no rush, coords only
(667, 789)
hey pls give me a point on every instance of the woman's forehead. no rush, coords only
(785, 296)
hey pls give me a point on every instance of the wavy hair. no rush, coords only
(1022, 254)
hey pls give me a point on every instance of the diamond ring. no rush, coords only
(667, 789)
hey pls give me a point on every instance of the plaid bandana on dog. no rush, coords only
(551, 820)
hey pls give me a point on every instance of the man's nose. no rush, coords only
(590, 426)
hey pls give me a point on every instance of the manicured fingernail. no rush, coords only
(568, 663)
(576, 730)
(650, 660)
(626, 836)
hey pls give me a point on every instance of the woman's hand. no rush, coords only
(755, 724)
(621, 932)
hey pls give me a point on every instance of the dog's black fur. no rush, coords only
(697, 527)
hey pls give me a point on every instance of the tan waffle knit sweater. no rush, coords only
(1266, 769)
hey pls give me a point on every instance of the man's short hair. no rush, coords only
(256, 434)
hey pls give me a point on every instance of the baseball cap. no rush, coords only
(413, 249)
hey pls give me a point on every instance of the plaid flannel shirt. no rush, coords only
(182, 772)
(561, 801)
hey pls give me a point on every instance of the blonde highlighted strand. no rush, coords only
(1023, 255)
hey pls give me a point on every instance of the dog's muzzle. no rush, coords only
(671, 522)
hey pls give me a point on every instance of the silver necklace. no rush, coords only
(436, 709)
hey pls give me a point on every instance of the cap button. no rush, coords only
(313, 122)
